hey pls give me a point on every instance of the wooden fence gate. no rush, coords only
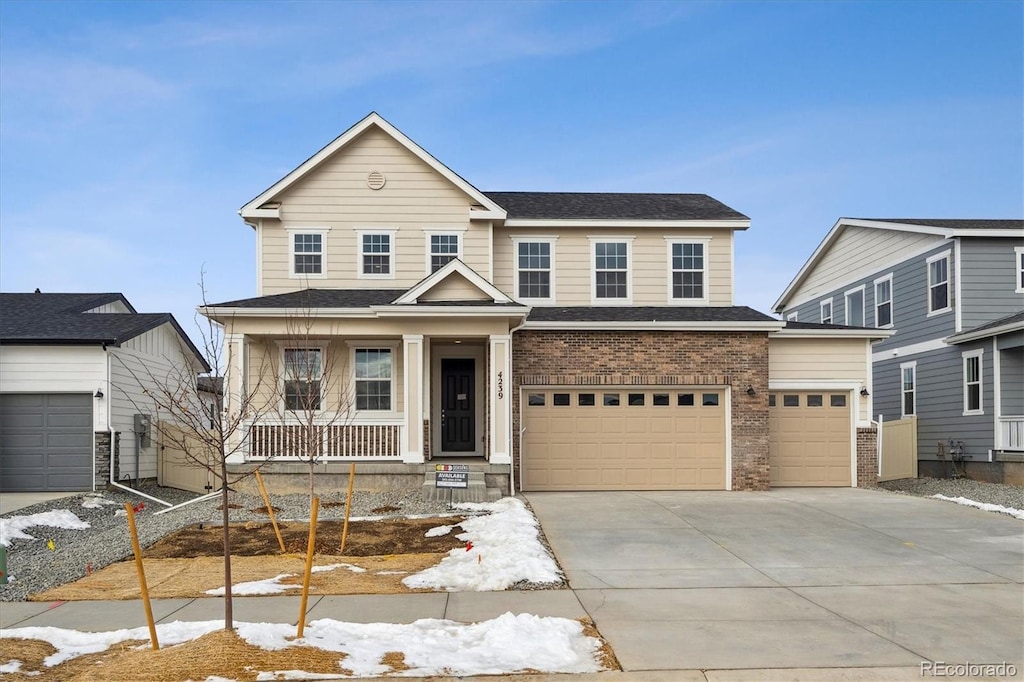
(898, 458)
(174, 468)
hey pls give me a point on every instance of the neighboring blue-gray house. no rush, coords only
(954, 292)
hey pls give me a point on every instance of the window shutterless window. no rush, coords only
(688, 267)
(303, 372)
(855, 307)
(826, 311)
(883, 301)
(533, 260)
(376, 252)
(611, 270)
(373, 378)
(307, 252)
(443, 248)
(972, 382)
(1018, 252)
(938, 283)
(908, 381)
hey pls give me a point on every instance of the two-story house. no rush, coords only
(556, 341)
(953, 290)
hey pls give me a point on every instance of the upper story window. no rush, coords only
(443, 247)
(826, 311)
(534, 268)
(376, 254)
(972, 382)
(307, 252)
(855, 307)
(908, 388)
(373, 377)
(303, 373)
(793, 316)
(883, 301)
(938, 283)
(688, 271)
(1019, 255)
(611, 270)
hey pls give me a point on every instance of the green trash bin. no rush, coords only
(3, 564)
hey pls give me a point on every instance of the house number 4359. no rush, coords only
(501, 385)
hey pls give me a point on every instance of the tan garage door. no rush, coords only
(809, 438)
(624, 439)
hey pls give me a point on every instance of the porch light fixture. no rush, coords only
(99, 394)
(864, 391)
(750, 391)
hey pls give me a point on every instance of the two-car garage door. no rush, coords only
(45, 442)
(624, 438)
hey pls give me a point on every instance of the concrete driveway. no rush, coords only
(792, 578)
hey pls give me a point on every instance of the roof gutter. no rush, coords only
(984, 333)
(617, 325)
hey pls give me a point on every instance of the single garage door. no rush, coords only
(809, 438)
(45, 442)
(624, 439)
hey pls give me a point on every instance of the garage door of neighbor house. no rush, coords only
(45, 442)
(624, 438)
(809, 438)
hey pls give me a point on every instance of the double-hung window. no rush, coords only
(855, 307)
(688, 271)
(307, 252)
(908, 388)
(883, 301)
(443, 249)
(1018, 252)
(938, 283)
(972, 382)
(826, 311)
(611, 271)
(376, 254)
(373, 376)
(303, 374)
(534, 268)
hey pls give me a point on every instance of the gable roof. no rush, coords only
(40, 319)
(454, 266)
(614, 206)
(947, 228)
(255, 209)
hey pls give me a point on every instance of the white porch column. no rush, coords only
(501, 402)
(234, 389)
(412, 434)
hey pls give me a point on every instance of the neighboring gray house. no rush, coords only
(73, 369)
(954, 292)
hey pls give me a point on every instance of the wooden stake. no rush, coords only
(142, 575)
(270, 509)
(310, 546)
(348, 506)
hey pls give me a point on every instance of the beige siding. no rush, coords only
(856, 253)
(819, 359)
(455, 287)
(336, 196)
(649, 265)
(454, 327)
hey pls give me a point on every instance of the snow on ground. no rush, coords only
(95, 501)
(438, 531)
(503, 548)
(1016, 513)
(506, 644)
(13, 528)
(331, 567)
(268, 586)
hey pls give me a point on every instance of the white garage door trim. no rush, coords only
(852, 397)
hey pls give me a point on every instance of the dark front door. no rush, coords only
(458, 414)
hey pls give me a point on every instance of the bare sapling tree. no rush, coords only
(206, 415)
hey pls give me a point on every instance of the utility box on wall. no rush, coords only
(143, 430)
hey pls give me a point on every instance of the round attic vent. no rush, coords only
(375, 180)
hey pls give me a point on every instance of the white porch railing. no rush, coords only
(368, 441)
(1011, 433)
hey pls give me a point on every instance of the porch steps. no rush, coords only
(477, 490)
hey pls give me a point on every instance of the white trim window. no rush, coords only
(855, 307)
(611, 270)
(376, 254)
(793, 316)
(908, 388)
(442, 248)
(307, 252)
(826, 311)
(535, 269)
(938, 283)
(883, 302)
(1019, 271)
(687, 270)
(374, 379)
(303, 378)
(973, 366)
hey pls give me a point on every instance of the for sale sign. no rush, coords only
(451, 475)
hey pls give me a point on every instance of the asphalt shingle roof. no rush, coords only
(337, 298)
(1009, 319)
(612, 206)
(647, 314)
(956, 223)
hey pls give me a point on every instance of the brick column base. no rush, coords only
(867, 457)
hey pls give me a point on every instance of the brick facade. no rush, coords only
(867, 457)
(658, 358)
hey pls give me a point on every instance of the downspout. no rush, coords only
(878, 443)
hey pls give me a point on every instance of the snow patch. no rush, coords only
(95, 501)
(331, 567)
(438, 531)
(985, 506)
(268, 586)
(13, 528)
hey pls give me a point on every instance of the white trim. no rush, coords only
(768, 326)
(866, 333)
(550, 241)
(392, 253)
(997, 398)
(813, 385)
(863, 306)
(259, 256)
(954, 301)
(912, 365)
(618, 239)
(428, 236)
(945, 255)
(891, 301)
(449, 311)
(412, 446)
(912, 349)
(793, 316)
(855, 422)
(634, 223)
(321, 345)
(1018, 268)
(984, 333)
(705, 242)
(831, 309)
(375, 344)
(501, 453)
(978, 353)
(434, 278)
(491, 209)
(292, 233)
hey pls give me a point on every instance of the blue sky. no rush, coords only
(131, 133)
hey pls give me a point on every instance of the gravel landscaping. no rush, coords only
(989, 493)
